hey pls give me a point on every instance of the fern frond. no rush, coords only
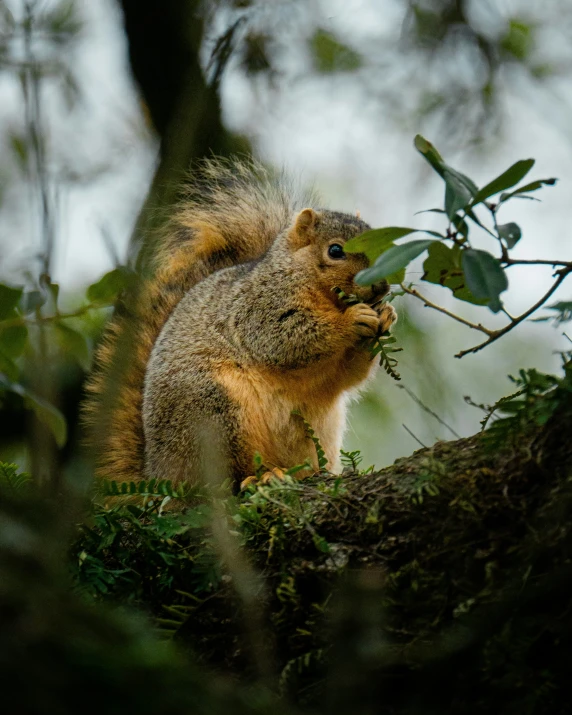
(152, 488)
(297, 668)
(351, 460)
(322, 459)
(12, 479)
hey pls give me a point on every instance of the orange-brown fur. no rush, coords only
(269, 400)
(233, 205)
(251, 346)
(237, 329)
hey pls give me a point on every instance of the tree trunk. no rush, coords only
(165, 41)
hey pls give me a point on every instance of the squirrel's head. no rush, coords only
(318, 239)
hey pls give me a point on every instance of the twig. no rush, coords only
(475, 326)
(33, 117)
(406, 428)
(428, 410)
(495, 335)
(522, 262)
(42, 319)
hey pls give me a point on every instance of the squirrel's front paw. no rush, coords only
(365, 320)
(386, 317)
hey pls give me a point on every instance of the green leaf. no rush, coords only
(51, 417)
(73, 343)
(460, 225)
(462, 179)
(430, 153)
(458, 192)
(44, 411)
(563, 310)
(392, 260)
(11, 478)
(321, 544)
(61, 20)
(20, 149)
(9, 299)
(53, 290)
(373, 243)
(443, 267)
(485, 276)
(396, 278)
(506, 180)
(108, 288)
(8, 368)
(30, 301)
(518, 40)
(533, 186)
(459, 188)
(330, 55)
(430, 211)
(510, 233)
(6, 18)
(13, 340)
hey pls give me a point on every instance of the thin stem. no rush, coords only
(42, 319)
(32, 108)
(475, 326)
(475, 219)
(562, 274)
(428, 410)
(406, 428)
(518, 262)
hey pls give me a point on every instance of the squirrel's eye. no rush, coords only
(336, 251)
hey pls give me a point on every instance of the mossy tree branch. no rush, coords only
(443, 563)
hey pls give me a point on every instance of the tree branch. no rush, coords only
(517, 262)
(503, 331)
(428, 304)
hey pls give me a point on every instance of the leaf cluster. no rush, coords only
(472, 274)
(268, 511)
(34, 330)
(538, 397)
(141, 554)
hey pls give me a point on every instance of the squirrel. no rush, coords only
(239, 330)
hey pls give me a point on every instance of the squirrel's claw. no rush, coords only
(387, 317)
(247, 482)
(275, 473)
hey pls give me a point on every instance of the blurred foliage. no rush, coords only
(448, 60)
(330, 55)
(59, 654)
(35, 331)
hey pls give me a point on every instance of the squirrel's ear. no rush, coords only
(301, 233)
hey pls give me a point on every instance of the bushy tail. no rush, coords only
(231, 212)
